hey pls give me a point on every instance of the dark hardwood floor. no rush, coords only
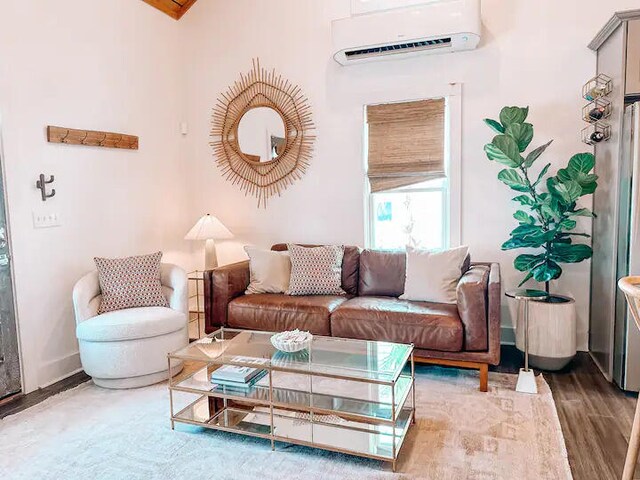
(595, 415)
(10, 405)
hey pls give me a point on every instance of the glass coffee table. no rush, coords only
(350, 396)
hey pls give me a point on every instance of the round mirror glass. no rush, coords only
(261, 134)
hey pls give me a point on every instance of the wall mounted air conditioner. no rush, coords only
(437, 27)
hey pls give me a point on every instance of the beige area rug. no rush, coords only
(461, 433)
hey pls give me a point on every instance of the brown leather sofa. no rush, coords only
(465, 335)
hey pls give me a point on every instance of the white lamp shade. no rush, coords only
(208, 227)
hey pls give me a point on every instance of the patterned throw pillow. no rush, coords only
(130, 282)
(316, 270)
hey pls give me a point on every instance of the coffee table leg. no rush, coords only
(413, 388)
(173, 426)
(273, 443)
(393, 426)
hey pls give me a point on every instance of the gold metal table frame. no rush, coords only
(326, 401)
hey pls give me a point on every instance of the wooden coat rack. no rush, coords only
(91, 138)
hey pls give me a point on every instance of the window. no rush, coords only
(407, 162)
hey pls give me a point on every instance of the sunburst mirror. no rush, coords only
(261, 133)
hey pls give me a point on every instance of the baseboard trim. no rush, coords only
(59, 369)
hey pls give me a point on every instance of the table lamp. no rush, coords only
(209, 228)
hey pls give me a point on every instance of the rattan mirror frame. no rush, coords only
(260, 88)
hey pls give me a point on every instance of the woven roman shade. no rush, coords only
(406, 143)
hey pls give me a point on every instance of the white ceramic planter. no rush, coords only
(552, 332)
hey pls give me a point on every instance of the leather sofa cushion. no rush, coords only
(432, 326)
(131, 324)
(350, 265)
(382, 273)
(275, 312)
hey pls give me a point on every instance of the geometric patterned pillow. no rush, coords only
(130, 282)
(316, 270)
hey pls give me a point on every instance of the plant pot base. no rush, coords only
(549, 364)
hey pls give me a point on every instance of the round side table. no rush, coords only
(526, 379)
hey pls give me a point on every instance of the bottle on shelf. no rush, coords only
(597, 136)
(596, 92)
(596, 113)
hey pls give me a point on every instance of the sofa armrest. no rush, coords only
(221, 285)
(472, 292)
(494, 312)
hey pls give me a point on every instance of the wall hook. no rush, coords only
(42, 185)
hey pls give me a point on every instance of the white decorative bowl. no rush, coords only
(293, 341)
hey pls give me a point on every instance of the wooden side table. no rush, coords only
(526, 378)
(196, 304)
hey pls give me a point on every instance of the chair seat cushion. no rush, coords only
(432, 326)
(131, 323)
(274, 312)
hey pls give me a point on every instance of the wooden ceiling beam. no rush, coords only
(174, 8)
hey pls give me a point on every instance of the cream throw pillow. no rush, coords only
(270, 271)
(432, 276)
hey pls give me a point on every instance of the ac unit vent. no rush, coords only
(399, 48)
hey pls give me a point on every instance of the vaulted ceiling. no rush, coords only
(174, 8)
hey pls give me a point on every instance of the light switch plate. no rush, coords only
(45, 219)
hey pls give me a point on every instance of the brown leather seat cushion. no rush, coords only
(432, 326)
(274, 312)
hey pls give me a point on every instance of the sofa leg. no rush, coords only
(482, 367)
(484, 377)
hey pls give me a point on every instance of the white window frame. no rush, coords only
(452, 231)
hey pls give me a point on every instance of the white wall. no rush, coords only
(123, 66)
(91, 64)
(532, 53)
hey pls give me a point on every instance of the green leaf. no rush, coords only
(542, 173)
(569, 191)
(534, 154)
(570, 253)
(524, 200)
(546, 271)
(522, 133)
(504, 149)
(582, 212)
(513, 179)
(582, 162)
(524, 217)
(494, 125)
(525, 262)
(509, 115)
(568, 224)
(525, 279)
(527, 236)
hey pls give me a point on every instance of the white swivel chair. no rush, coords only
(128, 348)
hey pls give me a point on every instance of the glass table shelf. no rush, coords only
(326, 432)
(356, 401)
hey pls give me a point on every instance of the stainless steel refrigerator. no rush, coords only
(614, 339)
(626, 368)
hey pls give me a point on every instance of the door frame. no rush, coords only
(3, 170)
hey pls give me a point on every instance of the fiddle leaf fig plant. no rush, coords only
(548, 207)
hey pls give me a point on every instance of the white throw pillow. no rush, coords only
(270, 271)
(432, 276)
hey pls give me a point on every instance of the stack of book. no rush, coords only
(240, 378)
